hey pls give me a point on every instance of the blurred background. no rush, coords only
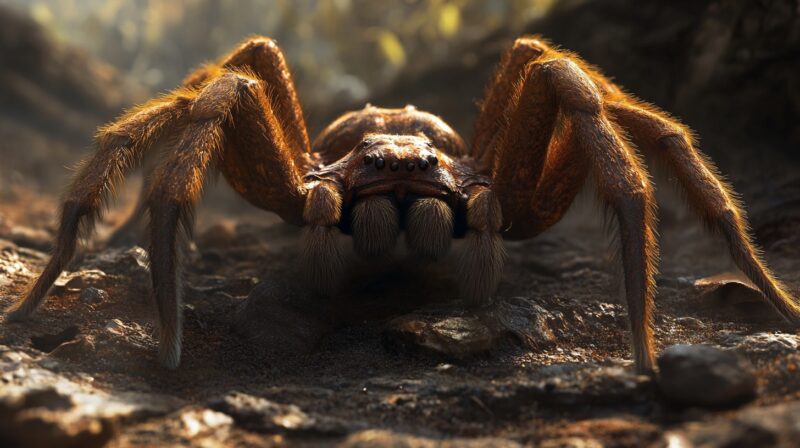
(339, 49)
(728, 68)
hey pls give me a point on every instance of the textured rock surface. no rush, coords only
(702, 375)
(41, 408)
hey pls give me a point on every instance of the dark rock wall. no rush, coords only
(725, 66)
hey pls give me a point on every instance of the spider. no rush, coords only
(548, 123)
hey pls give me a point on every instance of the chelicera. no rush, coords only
(548, 124)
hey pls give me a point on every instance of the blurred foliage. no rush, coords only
(338, 49)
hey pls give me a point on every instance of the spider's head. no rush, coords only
(395, 183)
(404, 167)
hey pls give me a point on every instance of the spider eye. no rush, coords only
(368, 159)
(433, 160)
(365, 144)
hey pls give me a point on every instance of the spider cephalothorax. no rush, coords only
(402, 172)
(549, 123)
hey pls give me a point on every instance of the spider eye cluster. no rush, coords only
(422, 162)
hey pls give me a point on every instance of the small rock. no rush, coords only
(702, 375)
(690, 322)
(454, 336)
(75, 350)
(570, 385)
(776, 426)
(203, 421)
(732, 295)
(528, 321)
(193, 426)
(262, 415)
(39, 408)
(78, 280)
(444, 367)
(92, 295)
(14, 357)
(767, 345)
(115, 326)
(132, 262)
(382, 438)
(571, 442)
(46, 417)
(464, 333)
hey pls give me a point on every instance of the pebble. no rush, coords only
(262, 415)
(706, 376)
(764, 345)
(384, 438)
(115, 326)
(690, 322)
(92, 295)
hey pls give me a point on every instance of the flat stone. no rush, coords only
(196, 422)
(190, 426)
(763, 345)
(383, 438)
(92, 295)
(262, 415)
(702, 375)
(132, 262)
(570, 385)
(39, 408)
(79, 280)
(454, 336)
(776, 426)
(464, 333)
(690, 322)
(732, 295)
(571, 442)
(76, 350)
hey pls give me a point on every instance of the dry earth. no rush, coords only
(553, 369)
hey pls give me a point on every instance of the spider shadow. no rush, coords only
(282, 319)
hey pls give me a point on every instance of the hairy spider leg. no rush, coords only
(262, 57)
(555, 120)
(264, 161)
(120, 147)
(711, 197)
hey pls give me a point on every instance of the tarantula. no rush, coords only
(549, 121)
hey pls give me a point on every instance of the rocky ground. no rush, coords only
(547, 365)
(393, 360)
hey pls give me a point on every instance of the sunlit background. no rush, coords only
(338, 49)
(727, 68)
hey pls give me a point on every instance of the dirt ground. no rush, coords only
(568, 385)
(392, 360)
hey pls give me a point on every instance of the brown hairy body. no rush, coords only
(548, 124)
